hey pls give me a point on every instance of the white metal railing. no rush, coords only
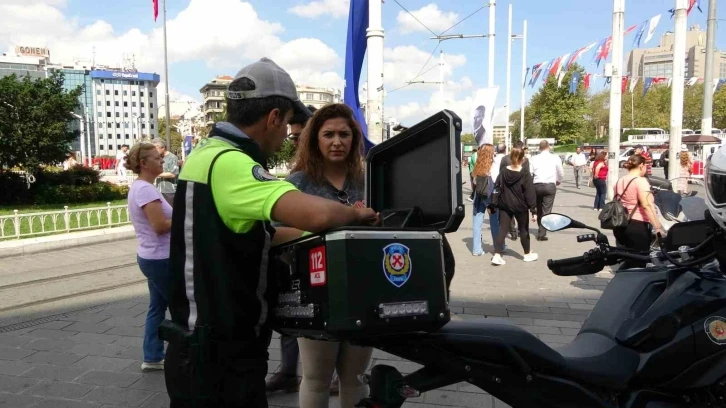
(26, 225)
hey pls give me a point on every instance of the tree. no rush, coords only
(283, 157)
(176, 138)
(34, 119)
(560, 114)
(719, 108)
(467, 139)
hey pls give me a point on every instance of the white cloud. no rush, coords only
(406, 63)
(430, 15)
(318, 8)
(226, 41)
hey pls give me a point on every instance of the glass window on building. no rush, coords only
(126, 93)
(107, 91)
(142, 104)
(118, 136)
(110, 148)
(152, 125)
(133, 104)
(126, 104)
(151, 105)
(141, 93)
(116, 103)
(118, 147)
(100, 135)
(108, 114)
(152, 117)
(133, 93)
(127, 135)
(117, 114)
(115, 93)
(108, 103)
(98, 92)
(118, 125)
(151, 94)
(126, 114)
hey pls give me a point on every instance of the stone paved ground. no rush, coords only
(92, 359)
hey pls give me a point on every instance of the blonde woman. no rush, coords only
(686, 169)
(150, 215)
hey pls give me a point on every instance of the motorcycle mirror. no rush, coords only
(557, 222)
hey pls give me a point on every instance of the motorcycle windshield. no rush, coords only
(694, 208)
(668, 202)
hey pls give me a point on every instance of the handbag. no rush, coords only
(482, 186)
(496, 195)
(613, 214)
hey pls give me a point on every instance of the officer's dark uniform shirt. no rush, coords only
(220, 239)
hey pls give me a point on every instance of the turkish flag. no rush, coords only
(156, 8)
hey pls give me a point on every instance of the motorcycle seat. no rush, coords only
(591, 358)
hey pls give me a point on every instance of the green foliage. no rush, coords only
(176, 138)
(560, 114)
(283, 157)
(76, 175)
(34, 119)
(467, 139)
(64, 194)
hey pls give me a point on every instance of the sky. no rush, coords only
(207, 38)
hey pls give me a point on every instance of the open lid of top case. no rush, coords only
(414, 178)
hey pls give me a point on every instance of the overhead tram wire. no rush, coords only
(462, 20)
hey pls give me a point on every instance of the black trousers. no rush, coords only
(232, 379)
(637, 235)
(505, 218)
(290, 355)
(545, 200)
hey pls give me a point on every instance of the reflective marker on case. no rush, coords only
(403, 309)
(307, 311)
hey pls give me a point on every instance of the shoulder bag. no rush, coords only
(613, 214)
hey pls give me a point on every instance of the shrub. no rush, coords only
(68, 194)
(76, 175)
(13, 189)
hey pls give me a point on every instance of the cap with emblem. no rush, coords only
(269, 80)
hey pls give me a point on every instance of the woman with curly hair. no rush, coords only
(482, 174)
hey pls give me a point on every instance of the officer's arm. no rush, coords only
(284, 234)
(311, 213)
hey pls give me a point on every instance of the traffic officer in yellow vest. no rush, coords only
(220, 238)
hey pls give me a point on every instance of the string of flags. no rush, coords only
(558, 66)
(648, 82)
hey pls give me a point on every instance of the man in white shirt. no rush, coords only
(120, 163)
(547, 174)
(579, 163)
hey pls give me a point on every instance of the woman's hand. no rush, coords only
(659, 231)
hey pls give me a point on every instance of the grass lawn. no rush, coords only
(48, 225)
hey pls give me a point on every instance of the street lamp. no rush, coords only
(83, 132)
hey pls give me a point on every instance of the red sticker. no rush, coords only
(317, 266)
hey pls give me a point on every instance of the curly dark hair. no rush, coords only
(309, 159)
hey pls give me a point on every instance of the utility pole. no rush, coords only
(166, 84)
(492, 22)
(677, 85)
(507, 138)
(88, 138)
(374, 105)
(707, 118)
(441, 79)
(615, 95)
(524, 82)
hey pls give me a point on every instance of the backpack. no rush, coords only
(482, 186)
(614, 214)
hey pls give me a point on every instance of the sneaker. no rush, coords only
(531, 257)
(498, 260)
(283, 382)
(477, 253)
(155, 366)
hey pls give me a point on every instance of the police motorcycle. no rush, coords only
(672, 208)
(655, 339)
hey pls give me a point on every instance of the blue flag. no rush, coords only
(639, 33)
(355, 51)
(647, 84)
(574, 81)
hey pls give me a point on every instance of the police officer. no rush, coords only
(220, 238)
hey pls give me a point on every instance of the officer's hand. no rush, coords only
(366, 216)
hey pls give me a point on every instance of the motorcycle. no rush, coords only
(655, 339)
(672, 208)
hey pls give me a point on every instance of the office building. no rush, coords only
(25, 61)
(657, 62)
(213, 94)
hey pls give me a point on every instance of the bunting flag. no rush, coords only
(624, 84)
(647, 82)
(526, 74)
(587, 81)
(604, 51)
(692, 81)
(560, 77)
(156, 8)
(555, 66)
(652, 25)
(577, 54)
(691, 3)
(633, 83)
(536, 69)
(598, 49)
(660, 80)
(574, 81)
(629, 30)
(721, 82)
(639, 34)
(355, 50)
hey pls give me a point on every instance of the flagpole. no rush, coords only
(707, 117)
(492, 21)
(679, 50)
(616, 84)
(507, 138)
(524, 81)
(166, 82)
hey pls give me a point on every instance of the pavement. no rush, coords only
(88, 354)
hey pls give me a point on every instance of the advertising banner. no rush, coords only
(482, 114)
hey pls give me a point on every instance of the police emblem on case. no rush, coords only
(715, 328)
(397, 265)
(260, 174)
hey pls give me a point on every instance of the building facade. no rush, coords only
(125, 109)
(25, 61)
(657, 62)
(213, 94)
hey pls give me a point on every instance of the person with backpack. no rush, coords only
(483, 184)
(633, 192)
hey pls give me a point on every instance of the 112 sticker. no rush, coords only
(317, 266)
